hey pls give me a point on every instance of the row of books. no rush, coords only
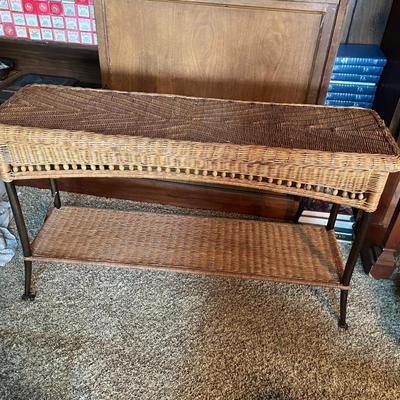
(355, 75)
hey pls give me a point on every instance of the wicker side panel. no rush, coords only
(345, 178)
(58, 145)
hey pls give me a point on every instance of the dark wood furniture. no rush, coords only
(383, 239)
(383, 234)
(366, 21)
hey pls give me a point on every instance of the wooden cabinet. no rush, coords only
(266, 50)
(383, 236)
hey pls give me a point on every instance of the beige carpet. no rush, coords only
(108, 333)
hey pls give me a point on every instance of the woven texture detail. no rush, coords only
(331, 129)
(339, 155)
(221, 246)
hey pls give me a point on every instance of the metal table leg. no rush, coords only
(23, 235)
(332, 217)
(351, 262)
(55, 193)
(300, 209)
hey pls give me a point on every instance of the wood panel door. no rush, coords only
(265, 50)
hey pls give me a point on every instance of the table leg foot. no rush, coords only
(343, 309)
(343, 325)
(28, 296)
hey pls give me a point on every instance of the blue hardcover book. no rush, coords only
(355, 77)
(360, 54)
(357, 69)
(348, 103)
(352, 87)
(366, 98)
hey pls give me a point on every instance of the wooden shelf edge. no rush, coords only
(182, 269)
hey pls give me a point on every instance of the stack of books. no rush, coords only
(356, 73)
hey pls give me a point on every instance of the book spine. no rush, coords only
(351, 87)
(357, 69)
(378, 62)
(348, 103)
(355, 77)
(366, 98)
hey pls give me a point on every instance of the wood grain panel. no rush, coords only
(348, 20)
(366, 21)
(265, 50)
(330, 39)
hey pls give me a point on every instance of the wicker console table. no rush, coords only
(340, 155)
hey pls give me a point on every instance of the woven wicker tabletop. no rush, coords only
(217, 246)
(330, 129)
(341, 155)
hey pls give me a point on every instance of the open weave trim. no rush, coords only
(353, 179)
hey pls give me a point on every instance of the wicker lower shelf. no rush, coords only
(218, 246)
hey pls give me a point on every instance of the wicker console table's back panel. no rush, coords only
(343, 155)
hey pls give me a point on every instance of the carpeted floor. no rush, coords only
(108, 333)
